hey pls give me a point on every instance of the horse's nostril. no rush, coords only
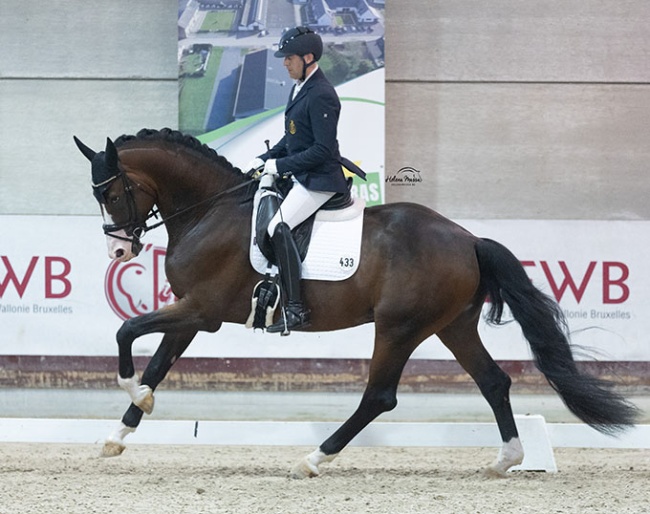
(119, 253)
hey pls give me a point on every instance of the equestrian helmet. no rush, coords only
(300, 41)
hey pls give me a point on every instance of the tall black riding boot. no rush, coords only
(288, 257)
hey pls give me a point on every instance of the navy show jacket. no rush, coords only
(309, 148)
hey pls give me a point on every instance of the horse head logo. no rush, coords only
(136, 288)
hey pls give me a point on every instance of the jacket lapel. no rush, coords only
(303, 91)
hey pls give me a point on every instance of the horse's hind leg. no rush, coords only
(386, 367)
(170, 349)
(463, 340)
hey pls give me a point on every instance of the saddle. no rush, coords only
(269, 204)
(329, 244)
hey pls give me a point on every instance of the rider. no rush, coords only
(309, 152)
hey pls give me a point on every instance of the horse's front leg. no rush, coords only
(180, 323)
(170, 349)
(177, 318)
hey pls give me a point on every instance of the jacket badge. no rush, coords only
(292, 127)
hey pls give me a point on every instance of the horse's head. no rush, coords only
(125, 203)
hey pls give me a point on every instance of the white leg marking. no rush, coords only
(307, 467)
(510, 454)
(141, 395)
(114, 444)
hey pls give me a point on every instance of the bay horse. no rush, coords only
(420, 274)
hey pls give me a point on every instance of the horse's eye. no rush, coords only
(114, 199)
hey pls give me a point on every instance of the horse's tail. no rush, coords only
(543, 325)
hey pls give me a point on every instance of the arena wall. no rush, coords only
(508, 110)
(94, 69)
(520, 110)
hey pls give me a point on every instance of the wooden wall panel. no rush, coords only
(520, 109)
(72, 38)
(94, 69)
(513, 40)
(549, 151)
(41, 170)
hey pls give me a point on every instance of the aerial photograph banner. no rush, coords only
(233, 91)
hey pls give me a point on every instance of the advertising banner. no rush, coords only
(233, 90)
(61, 295)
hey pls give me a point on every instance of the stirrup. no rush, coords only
(289, 320)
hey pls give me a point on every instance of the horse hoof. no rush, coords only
(112, 449)
(304, 469)
(511, 454)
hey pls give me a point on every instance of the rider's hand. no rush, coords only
(255, 165)
(270, 167)
(254, 168)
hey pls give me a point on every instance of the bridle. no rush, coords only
(135, 228)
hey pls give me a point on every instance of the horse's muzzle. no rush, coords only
(121, 247)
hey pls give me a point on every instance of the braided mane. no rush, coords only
(175, 136)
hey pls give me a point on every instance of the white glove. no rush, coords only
(270, 167)
(256, 164)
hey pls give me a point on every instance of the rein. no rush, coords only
(189, 208)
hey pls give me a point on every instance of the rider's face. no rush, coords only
(294, 65)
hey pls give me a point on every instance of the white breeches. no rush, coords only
(299, 204)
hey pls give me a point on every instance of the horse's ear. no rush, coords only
(84, 149)
(111, 155)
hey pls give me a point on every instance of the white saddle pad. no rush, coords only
(334, 249)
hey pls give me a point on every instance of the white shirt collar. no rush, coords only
(299, 84)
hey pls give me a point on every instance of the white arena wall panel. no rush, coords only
(62, 301)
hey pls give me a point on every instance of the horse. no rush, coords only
(421, 274)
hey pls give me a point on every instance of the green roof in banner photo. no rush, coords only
(360, 133)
